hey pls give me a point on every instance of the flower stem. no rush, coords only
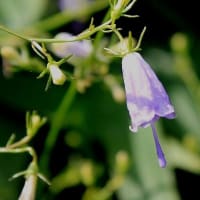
(100, 34)
(84, 35)
(20, 143)
(23, 37)
(56, 125)
(28, 149)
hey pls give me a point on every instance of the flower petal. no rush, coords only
(80, 49)
(147, 99)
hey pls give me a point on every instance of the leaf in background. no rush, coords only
(130, 189)
(156, 183)
(160, 60)
(180, 157)
(187, 114)
(21, 13)
(24, 92)
(10, 164)
(108, 123)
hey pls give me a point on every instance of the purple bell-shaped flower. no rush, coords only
(146, 97)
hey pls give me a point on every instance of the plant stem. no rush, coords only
(60, 19)
(84, 35)
(100, 34)
(28, 149)
(20, 143)
(21, 36)
(56, 125)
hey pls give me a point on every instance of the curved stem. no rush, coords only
(81, 36)
(56, 125)
(28, 149)
(118, 35)
(84, 35)
(20, 143)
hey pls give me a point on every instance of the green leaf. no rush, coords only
(21, 13)
(180, 157)
(187, 114)
(156, 183)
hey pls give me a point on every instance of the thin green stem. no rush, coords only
(83, 35)
(101, 33)
(118, 35)
(20, 143)
(140, 39)
(56, 125)
(21, 36)
(30, 150)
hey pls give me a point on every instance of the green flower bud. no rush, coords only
(34, 122)
(122, 162)
(179, 42)
(118, 9)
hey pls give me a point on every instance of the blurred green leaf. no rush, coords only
(10, 164)
(160, 60)
(26, 92)
(187, 113)
(21, 13)
(180, 157)
(108, 123)
(156, 183)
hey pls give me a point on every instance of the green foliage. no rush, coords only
(85, 145)
(21, 13)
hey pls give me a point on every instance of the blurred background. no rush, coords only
(93, 155)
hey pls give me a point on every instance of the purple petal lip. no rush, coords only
(146, 97)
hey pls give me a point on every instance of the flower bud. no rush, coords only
(80, 49)
(87, 173)
(121, 4)
(118, 9)
(29, 189)
(179, 42)
(58, 77)
(34, 122)
(122, 161)
(9, 52)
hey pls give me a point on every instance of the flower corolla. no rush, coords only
(147, 100)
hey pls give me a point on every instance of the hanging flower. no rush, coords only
(28, 192)
(81, 49)
(146, 97)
